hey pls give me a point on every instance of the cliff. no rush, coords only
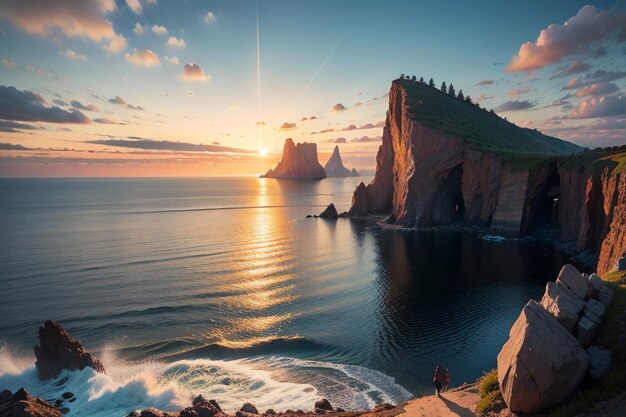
(334, 166)
(445, 161)
(298, 161)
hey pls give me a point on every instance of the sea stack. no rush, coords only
(57, 350)
(298, 162)
(334, 167)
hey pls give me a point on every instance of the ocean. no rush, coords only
(223, 287)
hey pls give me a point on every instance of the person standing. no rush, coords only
(439, 379)
(447, 380)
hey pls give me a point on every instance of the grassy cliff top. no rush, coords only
(478, 127)
(596, 160)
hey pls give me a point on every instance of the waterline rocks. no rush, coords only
(22, 404)
(57, 350)
(330, 212)
(545, 359)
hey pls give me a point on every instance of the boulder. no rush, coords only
(595, 285)
(599, 362)
(592, 317)
(541, 363)
(329, 213)
(565, 308)
(57, 350)
(249, 408)
(573, 279)
(585, 331)
(596, 307)
(22, 404)
(605, 295)
(324, 404)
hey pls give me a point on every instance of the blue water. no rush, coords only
(223, 287)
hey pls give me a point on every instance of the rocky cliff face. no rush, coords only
(298, 161)
(444, 161)
(334, 166)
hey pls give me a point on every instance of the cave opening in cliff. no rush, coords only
(546, 214)
(449, 205)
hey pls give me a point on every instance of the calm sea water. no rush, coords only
(223, 287)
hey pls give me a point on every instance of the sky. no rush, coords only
(213, 88)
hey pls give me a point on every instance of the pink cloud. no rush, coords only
(518, 91)
(193, 72)
(145, 58)
(557, 41)
(597, 89)
(605, 106)
(74, 18)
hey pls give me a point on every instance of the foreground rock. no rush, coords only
(544, 359)
(541, 363)
(334, 166)
(298, 162)
(57, 350)
(22, 404)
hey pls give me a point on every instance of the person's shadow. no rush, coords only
(457, 409)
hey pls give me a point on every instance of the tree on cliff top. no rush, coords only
(422, 80)
(444, 87)
(414, 78)
(460, 96)
(401, 77)
(431, 83)
(451, 91)
(468, 99)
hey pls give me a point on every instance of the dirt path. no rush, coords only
(456, 403)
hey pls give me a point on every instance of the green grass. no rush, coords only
(490, 395)
(596, 161)
(610, 336)
(478, 127)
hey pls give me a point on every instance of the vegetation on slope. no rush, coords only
(490, 395)
(478, 127)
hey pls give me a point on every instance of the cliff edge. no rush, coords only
(444, 161)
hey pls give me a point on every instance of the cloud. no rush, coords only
(189, 93)
(576, 36)
(138, 29)
(575, 67)
(514, 106)
(117, 100)
(234, 107)
(80, 106)
(609, 124)
(337, 140)
(8, 126)
(605, 106)
(135, 6)
(130, 106)
(260, 123)
(159, 30)
(209, 18)
(143, 143)
(60, 103)
(7, 63)
(117, 44)
(73, 18)
(145, 58)
(215, 143)
(193, 72)
(10, 146)
(483, 97)
(365, 126)
(597, 89)
(73, 55)
(287, 126)
(27, 106)
(338, 107)
(176, 42)
(366, 139)
(605, 76)
(485, 82)
(573, 84)
(518, 91)
(105, 121)
(173, 60)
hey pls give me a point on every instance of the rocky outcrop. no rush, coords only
(359, 206)
(443, 161)
(330, 212)
(544, 359)
(22, 404)
(57, 350)
(298, 161)
(334, 166)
